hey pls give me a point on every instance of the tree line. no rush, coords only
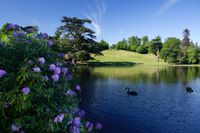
(172, 50)
(77, 42)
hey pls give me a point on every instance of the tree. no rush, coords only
(171, 49)
(186, 39)
(133, 43)
(133, 48)
(142, 49)
(80, 38)
(122, 45)
(192, 55)
(144, 40)
(134, 40)
(103, 45)
(155, 45)
(198, 51)
(185, 44)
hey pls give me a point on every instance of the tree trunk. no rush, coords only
(158, 54)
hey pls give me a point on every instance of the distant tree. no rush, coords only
(186, 39)
(192, 55)
(133, 48)
(142, 49)
(134, 40)
(155, 45)
(103, 45)
(171, 49)
(133, 43)
(183, 59)
(79, 38)
(122, 45)
(198, 51)
(144, 40)
(113, 46)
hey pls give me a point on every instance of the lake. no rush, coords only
(161, 106)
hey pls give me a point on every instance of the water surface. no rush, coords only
(162, 104)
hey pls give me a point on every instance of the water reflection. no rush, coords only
(162, 104)
(148, 73)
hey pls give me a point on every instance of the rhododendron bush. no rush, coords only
(36, 89)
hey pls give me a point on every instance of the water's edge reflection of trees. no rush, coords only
(143, 74)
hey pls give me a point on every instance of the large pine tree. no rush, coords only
(80, 38)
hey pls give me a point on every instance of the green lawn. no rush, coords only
(126, 57)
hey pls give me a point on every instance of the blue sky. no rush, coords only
(112, 19)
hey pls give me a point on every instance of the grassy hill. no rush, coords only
(122, 57)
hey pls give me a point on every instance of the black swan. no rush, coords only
(132, 93)
(189, 89)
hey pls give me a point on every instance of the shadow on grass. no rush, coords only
(111, 63)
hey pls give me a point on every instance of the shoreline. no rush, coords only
(131, 64)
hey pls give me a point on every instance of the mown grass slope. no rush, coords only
(126, 57)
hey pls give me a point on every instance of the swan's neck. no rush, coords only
(128, 90)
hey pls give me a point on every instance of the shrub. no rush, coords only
(36, 91)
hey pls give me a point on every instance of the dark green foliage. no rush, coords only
(186, 39)
(155, 45)
(171, 49)
(82, 56)
(122, 45)
(183, 57)
(133, 47)
(192, 55)
(134, 40)
(134, 44)
(142, 49)
(74, 37)
(103, 45)
(144, 40)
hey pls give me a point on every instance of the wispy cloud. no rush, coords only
(95, 11)
(168, 4)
